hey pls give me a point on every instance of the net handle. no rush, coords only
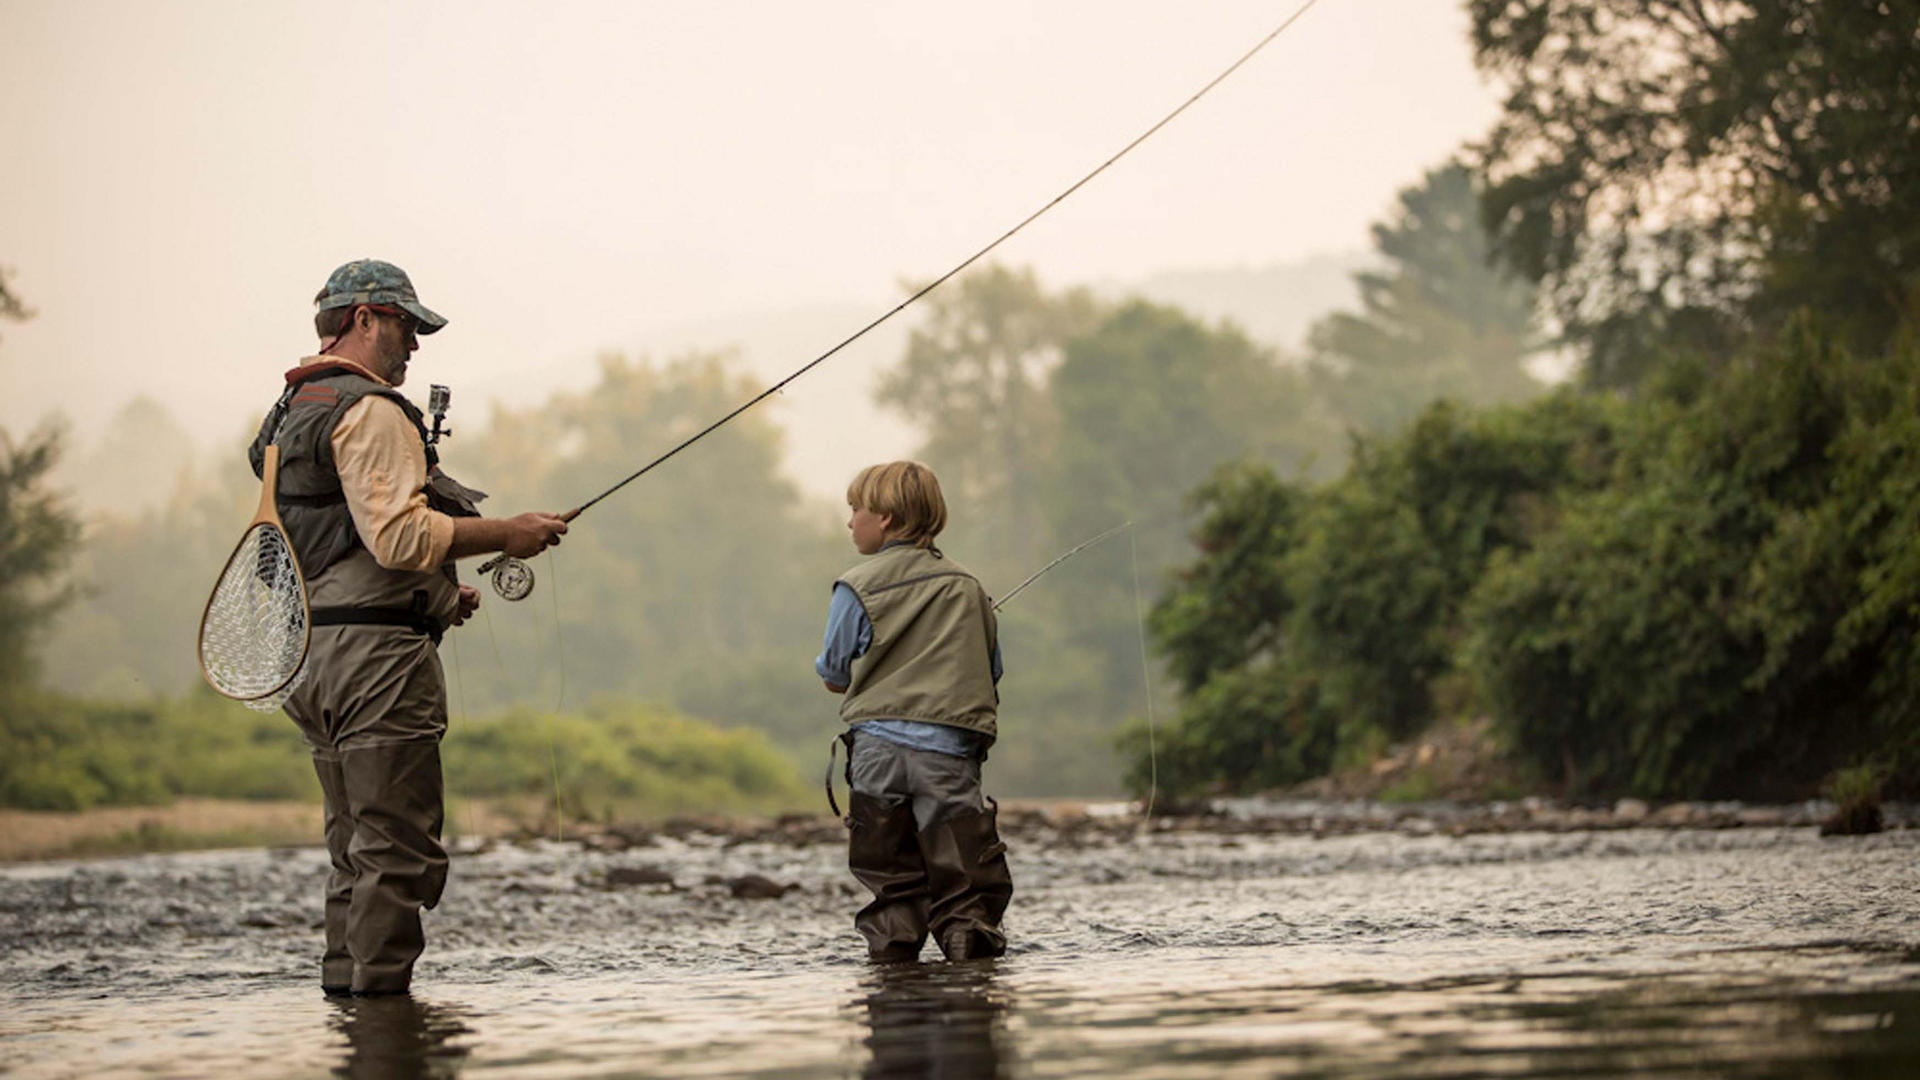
(268, 513)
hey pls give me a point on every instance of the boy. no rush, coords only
(913, 645)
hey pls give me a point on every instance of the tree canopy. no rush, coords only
(1677, 172)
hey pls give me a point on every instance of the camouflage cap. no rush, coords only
(370, 281)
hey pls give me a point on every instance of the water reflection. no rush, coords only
(396, 1036)
(936, 1020)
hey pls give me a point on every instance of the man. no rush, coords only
(376, 526)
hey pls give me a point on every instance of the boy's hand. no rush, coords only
(832, 689)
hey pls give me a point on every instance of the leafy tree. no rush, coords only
(1684, 170)
(974, 375)
(1439, 321)
(1736, 613)
(1150, 403)
(1319, 622)
(37, 536)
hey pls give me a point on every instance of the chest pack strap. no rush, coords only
(376, 616)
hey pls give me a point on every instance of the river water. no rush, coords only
(1743, 952)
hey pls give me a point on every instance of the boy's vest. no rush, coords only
(342, 576)
(933, 634)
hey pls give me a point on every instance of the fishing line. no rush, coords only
(559, 646)
(1146, 675)
(560, 666)
(546, 725)
(460, 691)
(969, 261)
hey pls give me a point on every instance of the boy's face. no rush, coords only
(869, 529)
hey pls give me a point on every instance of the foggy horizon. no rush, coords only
(604, 179)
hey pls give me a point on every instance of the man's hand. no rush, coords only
(531, 533)
(469, 603)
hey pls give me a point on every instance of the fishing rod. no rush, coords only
(513, 578)
(1075, 550)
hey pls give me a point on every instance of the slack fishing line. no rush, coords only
(513, 579)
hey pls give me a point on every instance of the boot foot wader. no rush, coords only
(969, 883)
(883, 854)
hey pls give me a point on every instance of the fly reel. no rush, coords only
(512, 578)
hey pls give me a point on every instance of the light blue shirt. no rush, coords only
(849, 635)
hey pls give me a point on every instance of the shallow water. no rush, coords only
(1745, 952)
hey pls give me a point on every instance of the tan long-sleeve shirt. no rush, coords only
(383, 468)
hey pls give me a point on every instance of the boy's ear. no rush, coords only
(886, 523)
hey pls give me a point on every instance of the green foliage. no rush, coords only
(1679, 172)
(59, 753)
(1441, 321)
(622, 760)
(1150, 404)
(37, 537)
(1317, 622)
(1736, 613)
(65, 754)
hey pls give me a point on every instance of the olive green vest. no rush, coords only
(934, 630)
(339, 570)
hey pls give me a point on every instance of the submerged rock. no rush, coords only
(757, 887)
(638, 875)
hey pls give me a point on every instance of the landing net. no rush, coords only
(253, 637)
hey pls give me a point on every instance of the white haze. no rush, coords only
(561, 180)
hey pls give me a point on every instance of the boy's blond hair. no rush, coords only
(908, 492)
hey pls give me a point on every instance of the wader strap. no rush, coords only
(375, 616)
(833, 750)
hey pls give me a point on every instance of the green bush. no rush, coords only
(65, 754)
(1735, 615)
(1317, 622)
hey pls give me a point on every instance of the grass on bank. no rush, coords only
(610, 761)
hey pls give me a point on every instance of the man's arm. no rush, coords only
(521, 536)
(382, 470)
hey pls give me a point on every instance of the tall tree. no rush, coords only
(1440, 320)
(1682, 170)
(37, 536)
(1151, 402)
(974, 374)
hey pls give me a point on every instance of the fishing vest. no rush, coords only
(345, 583)
(933, 634)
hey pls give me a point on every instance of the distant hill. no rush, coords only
(1275, 304)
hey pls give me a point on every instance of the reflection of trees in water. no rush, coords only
(936, 1020)
(397, 1036)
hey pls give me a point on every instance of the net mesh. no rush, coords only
(253, 640)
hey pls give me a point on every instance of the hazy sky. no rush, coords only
(178, 178)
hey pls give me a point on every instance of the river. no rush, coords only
(1189, 953)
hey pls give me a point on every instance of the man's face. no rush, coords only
(393, 343)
